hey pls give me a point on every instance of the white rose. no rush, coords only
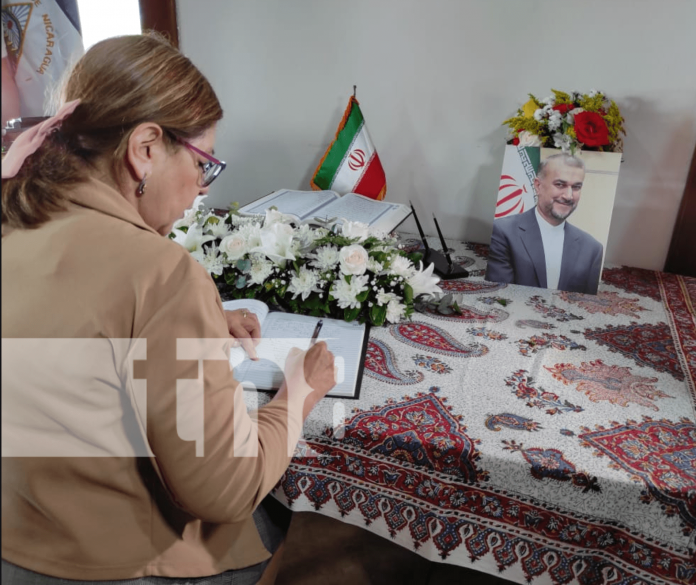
(233, 246)
(528, 139)
(353, 259)
(355, 229)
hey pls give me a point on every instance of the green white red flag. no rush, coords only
(351, 163)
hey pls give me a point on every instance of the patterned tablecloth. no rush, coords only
(543, 436)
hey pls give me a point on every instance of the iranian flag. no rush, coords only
(351, 163)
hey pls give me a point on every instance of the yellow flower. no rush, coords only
(529, 108)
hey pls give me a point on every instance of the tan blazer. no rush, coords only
(77, 502)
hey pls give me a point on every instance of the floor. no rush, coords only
(323, 551)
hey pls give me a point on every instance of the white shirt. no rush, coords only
(552, 237)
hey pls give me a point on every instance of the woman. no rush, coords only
(114, 468)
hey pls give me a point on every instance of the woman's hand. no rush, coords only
(309, 375)
(244, 327)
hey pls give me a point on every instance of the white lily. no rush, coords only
(275, 216)
(193, 239)
(423, 282)
(276, 243)
(189, 216)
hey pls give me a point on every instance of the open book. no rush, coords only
(319, 206)
(282, 331)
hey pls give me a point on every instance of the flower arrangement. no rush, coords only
(344, 272)
(568, 121)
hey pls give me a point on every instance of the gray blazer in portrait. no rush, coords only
(517, 255)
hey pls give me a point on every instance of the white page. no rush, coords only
(302, 204)
(259, 308)
(376, 214)
(283, 331)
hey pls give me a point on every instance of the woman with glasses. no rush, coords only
(128, 452)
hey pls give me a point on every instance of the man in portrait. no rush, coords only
(539, 247)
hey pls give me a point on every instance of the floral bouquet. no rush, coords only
(343, 271)
(568, 121)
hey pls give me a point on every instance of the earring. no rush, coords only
(142, 186)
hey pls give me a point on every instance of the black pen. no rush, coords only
(317, 329)
(442, 241)
(420, 229)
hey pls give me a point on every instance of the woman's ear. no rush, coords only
(145, 139)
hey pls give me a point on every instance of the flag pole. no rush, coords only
(354, 90)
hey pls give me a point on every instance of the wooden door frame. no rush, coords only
(681, 258)
(160, 15)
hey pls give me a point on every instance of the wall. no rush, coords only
(435, 80)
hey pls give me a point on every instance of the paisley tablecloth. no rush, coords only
(542, 436)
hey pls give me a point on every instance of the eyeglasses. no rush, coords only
(211, 169)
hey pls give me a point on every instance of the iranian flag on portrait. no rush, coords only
(351, 163)
(516, 189)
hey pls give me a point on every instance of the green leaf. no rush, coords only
(241, 282)
(456, 308)
(230, 277)
(362, 297)
(502, 302)
(378, 315)
(415, 257)
(408, 294)
(351, 314)
(445, 302)
(243, 264)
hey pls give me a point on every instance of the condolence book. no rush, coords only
(282, 331)
(316, 207)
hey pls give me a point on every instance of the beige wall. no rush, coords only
(435, 80)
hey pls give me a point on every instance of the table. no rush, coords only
(543, 436)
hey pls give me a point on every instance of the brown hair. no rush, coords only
(121, 82)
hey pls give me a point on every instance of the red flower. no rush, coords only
(591, 129)
(515, 141)
(564, 108)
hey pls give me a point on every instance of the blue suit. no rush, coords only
(517, 255)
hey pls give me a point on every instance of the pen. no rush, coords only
(442, 241)
(420, 229)
(317, 329)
